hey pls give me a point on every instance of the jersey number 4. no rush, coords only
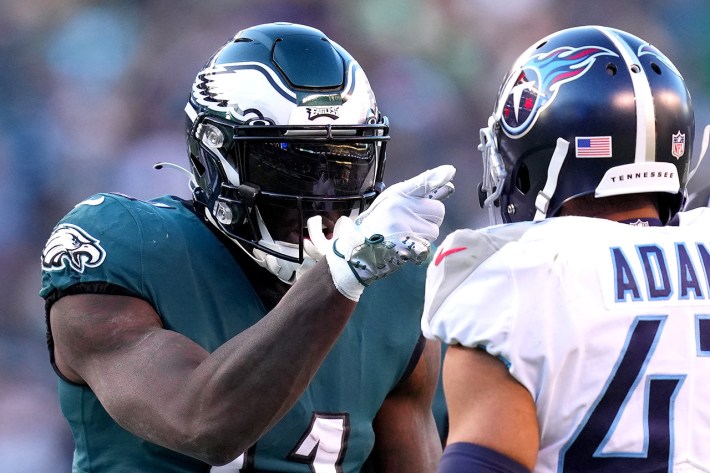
(584, 451)
(322, 446)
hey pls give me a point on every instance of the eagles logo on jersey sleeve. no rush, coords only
(98, 241)
(70, 246)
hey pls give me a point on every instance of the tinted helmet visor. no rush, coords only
(320, 169)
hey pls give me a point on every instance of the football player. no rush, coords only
(579, 328)
(235, 328)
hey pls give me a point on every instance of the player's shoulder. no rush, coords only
(469, 248)
(113, 202)
(465, 251)
(107, 222)
(466, 265)
(115, 238)
(460, 256)
(699, 216)
(105, 211)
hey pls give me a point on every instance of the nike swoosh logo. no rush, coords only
(443, 254)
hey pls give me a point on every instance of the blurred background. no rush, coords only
(93, 95)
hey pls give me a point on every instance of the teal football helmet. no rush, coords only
(282, 125)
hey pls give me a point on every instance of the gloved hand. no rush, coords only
(397, 228)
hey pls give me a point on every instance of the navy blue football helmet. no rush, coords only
(587, 110)
(282, 124)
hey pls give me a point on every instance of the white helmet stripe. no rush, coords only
(542, 201)
(350, 84)
(645, 112)
(190, 111)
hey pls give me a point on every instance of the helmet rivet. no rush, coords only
(223, 213)
(511, 209)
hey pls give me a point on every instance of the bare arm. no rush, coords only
(488, 407)
(165, 388)
(406, 438)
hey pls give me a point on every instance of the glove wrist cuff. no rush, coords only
(344, 276)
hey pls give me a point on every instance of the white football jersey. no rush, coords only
(606, 324)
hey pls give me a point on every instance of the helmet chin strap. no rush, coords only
(286, 271)
(542, 201)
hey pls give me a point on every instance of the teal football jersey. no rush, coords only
(162, 252)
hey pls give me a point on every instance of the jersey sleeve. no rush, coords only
(470, 296)
(97, 244)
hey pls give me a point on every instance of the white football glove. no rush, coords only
(397, 228)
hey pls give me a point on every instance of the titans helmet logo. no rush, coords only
(534, 85)
(648, 49)
(69, 245)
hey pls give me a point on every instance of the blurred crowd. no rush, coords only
(94, 94)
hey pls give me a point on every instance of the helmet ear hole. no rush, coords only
(197, 164)
(522, 179)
